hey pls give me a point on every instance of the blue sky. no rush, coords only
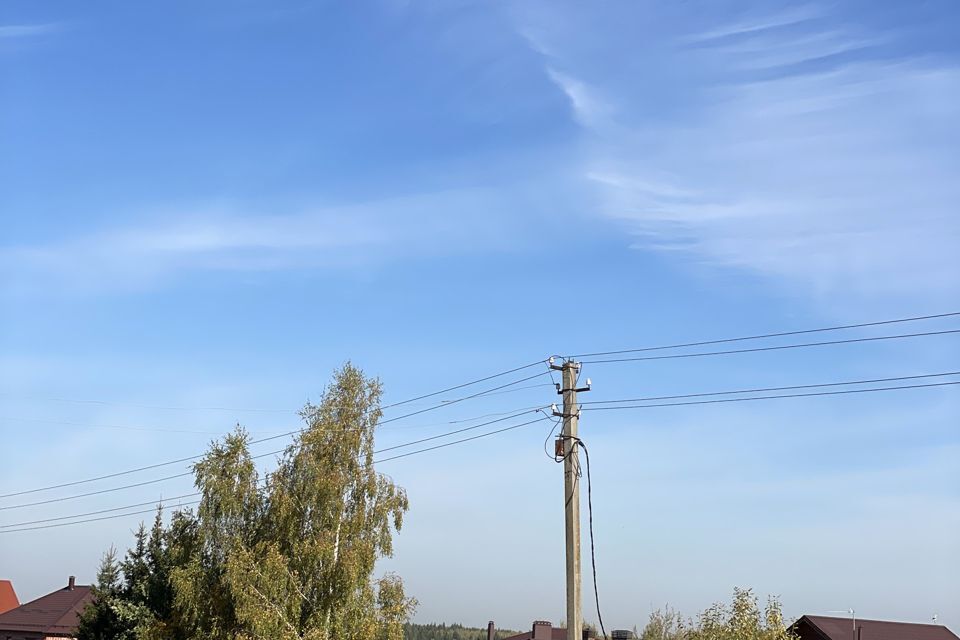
(215, 204)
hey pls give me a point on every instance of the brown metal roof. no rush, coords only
(842, 629)
(8, 597)
(55, 614)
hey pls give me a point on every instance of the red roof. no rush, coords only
(831, 628)
(55, 614)
(8, 597)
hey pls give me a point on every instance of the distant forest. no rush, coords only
(413, 631)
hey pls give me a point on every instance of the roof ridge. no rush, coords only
(859, 619)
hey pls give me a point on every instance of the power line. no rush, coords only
(278, 451)
(768, 335)
(593, 553)
(497, 431)
(532, 364)
(486, 415)
(403, 455)
(256, 457)
(133, 405)
(773, 397)
(117, 426)
(256, 410)
(517, 414)
(465, 384)
(436, 437)
(470, 428)
(95, 493)
(772, 348)
(287, 433)
(442, 405)
(523, 388)
(277, 433)
(103, 477)
(90, 513)
(262, 455)
(464, 398)
(114, 475)
(450, 444)
(117, 515)
(767, 389)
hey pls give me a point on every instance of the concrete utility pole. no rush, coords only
(571, 492)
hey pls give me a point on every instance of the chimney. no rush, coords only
(72, 582)
(542, 631)
(491, 631)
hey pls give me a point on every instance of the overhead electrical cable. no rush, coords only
(450, 433)
(90, 513)
(276, 433)
(450, 444)
(442, 405)
(116, 515)
(446, 434)
(286, 434)
(768, 389)
(768, 335)
(95, 493)
(465, 384)
(403, 455)
(152, 407)
(591, 406)
(593, 552)
(254, 457)
(772, 397)
(260, 410)
(479, 394)
(103, 477)
(122, 427)
(771, 348)
(4, 529)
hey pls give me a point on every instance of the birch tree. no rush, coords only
(290, 555)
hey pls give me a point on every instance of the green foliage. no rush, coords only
(117, 613)
(740, 620)
(442, 631)
(288, 556)
(665, 624)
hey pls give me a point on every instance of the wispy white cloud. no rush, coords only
(589, 108)
(816, 179)
(27, 30)
(791, 16)
(838, 178)
(224, 239)
(768, 51)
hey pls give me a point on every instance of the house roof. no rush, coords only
(832, 628)
(54, 614)
(8, 597)
(556, 633)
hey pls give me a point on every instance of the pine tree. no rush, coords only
(111, 616)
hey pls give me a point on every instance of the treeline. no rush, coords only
(412, 631)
